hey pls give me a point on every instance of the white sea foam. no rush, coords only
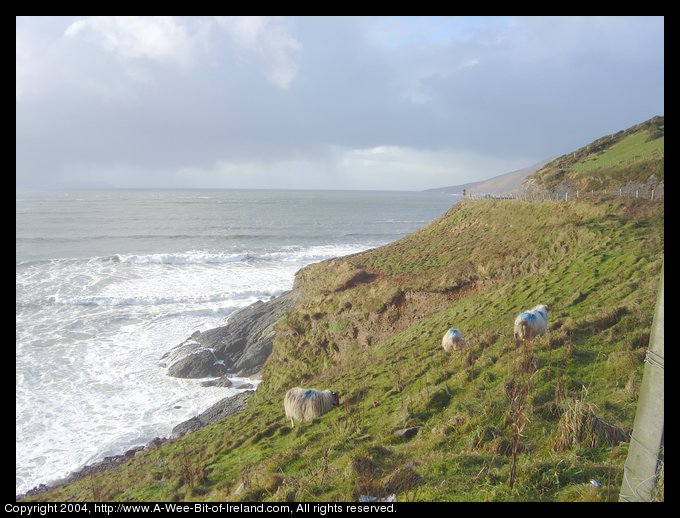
(190, 257)
(296, 254)
(156, 301)
(102, 326)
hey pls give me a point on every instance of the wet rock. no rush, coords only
(155, 443)
(218, 382)
(240, 347)
(191, 359)
(219, 410)
(133, 451)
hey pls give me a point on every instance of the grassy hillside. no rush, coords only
(634, 156)
(554, 413)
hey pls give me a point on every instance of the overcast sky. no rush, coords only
(321, 103)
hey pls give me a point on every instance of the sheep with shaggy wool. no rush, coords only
(532, 323)
(453, 340)
(301, 403)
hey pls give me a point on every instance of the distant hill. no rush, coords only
(629, 159)
(507, 183)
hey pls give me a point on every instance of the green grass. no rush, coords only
(370, 326)
(635, 147)
(633, 156)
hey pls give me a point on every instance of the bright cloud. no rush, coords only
(157, 38)
(268, 41)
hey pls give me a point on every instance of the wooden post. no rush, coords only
(652, 194)
(637, 193)
(640, 469)
(620, 192)
(577, 194)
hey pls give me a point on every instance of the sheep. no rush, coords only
(302, 404)
(530, 324)
(453, 340)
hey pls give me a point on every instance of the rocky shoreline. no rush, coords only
(239, 348)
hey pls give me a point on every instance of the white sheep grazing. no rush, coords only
(302, 404)
(453, 340)
(530, 324)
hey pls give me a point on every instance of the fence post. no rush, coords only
(637, 192)
(566, 195)
(577, 194)
(652, 194)
(620, 192)
(640, 468)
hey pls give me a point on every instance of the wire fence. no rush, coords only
(656, 194)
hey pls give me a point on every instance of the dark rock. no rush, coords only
(407, 433)
(219, 410)
(35, 491)
(133, 451)
(246, 386)
(240, 347)
(155, 443)
(218, 382)
(187, 426)
(191, 359)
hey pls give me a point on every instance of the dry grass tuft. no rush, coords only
(558, 338)
(607, 318)
(580, 425)
(401, 480)
(487, 339)
(517, 418)
(470, 359)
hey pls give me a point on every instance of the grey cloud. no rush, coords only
(314, 92)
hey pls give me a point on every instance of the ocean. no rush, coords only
(108, 281)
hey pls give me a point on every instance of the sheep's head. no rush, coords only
(336, 398)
